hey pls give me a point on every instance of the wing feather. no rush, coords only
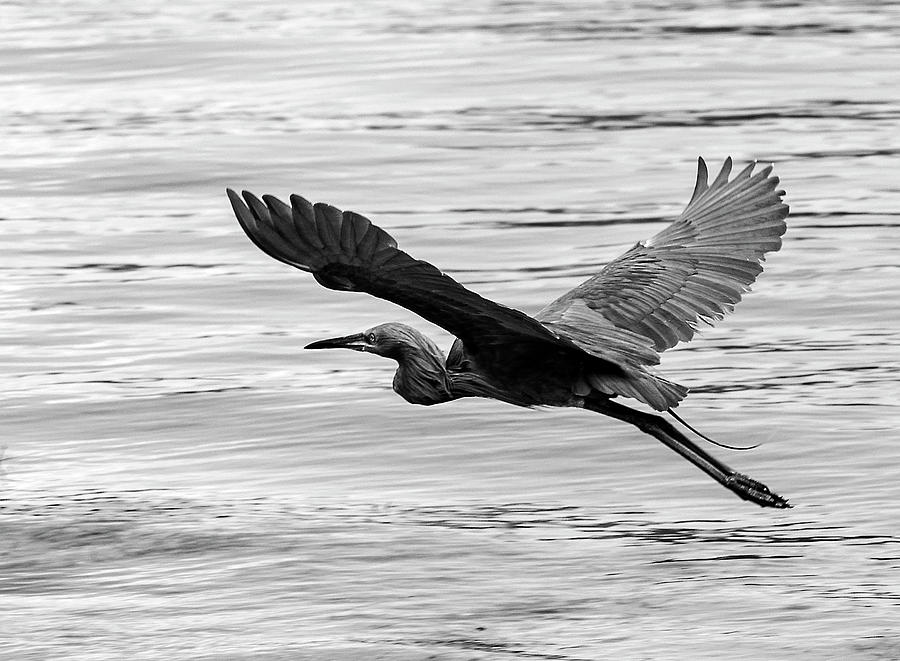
(345, 251)
(693, 271)
(649, 299)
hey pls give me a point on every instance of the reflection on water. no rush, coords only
(530, 119)
(417, 577)
(180, 480)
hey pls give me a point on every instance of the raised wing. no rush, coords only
(345, 251)
(694, 270)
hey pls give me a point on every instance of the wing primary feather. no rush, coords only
(263, 234)
(328, 224)
(245, 218)
(284, 227)
(702, 180)
(750, 194)
(722, 177)
(348, 231)
(745, 172)
(260, 212)
(303, 219)
(696, 269)
(279, 208)
(735, 196)
(368, 242)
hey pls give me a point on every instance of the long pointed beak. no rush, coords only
(357, 342)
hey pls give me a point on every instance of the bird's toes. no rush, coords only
(754, 491)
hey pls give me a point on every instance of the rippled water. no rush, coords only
(180, 480)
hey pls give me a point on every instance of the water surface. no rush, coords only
(181, 480)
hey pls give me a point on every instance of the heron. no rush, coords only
(587, 348)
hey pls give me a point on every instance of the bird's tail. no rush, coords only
(707, 438)
(640, 384)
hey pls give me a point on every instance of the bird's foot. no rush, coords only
(756, 492)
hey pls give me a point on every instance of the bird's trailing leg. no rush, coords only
(744, 486)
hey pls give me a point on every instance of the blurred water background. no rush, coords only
(180, 480)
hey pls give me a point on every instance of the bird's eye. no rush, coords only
(371, 338)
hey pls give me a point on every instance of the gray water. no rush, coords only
(181, 481)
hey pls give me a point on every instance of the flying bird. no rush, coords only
(585, 349)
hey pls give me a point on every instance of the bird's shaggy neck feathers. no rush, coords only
(421, 376)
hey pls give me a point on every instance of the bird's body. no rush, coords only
(589, 346)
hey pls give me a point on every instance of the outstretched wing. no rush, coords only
(345, 251)
(694, 270)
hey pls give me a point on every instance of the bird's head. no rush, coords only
(391, 340)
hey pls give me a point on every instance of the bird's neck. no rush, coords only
(421, 377)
